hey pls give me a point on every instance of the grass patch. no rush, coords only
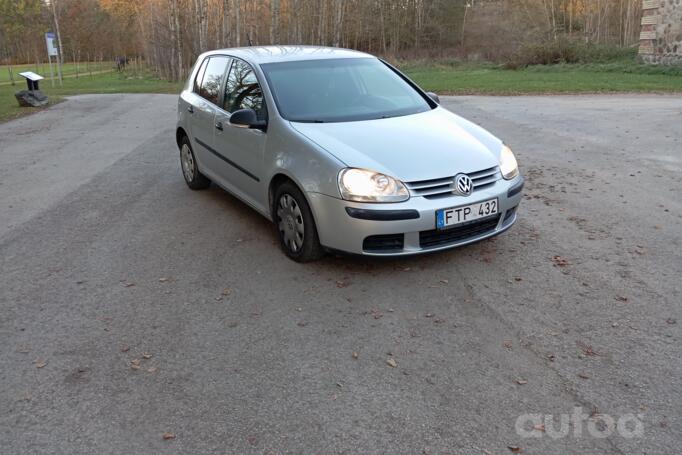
(449, 78)
(68, 70)
(100, 83)
(488, 79)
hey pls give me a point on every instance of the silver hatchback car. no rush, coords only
(342, 152)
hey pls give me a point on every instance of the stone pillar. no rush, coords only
(661, 36)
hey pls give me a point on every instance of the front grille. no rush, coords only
(386, 242)
(439, 237)
(442, 187)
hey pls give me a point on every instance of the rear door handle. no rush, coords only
(219, 125)
(190, 109)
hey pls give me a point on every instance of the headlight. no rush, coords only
(361, 185)
(508, 165)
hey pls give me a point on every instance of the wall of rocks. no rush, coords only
(661, 36)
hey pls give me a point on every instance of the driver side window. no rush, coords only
(243, 91)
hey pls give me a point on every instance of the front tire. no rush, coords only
(188, 163)
(295, 224)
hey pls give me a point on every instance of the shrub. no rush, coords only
(564, 50)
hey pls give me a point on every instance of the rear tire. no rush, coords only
(188, 164)
(295, 224)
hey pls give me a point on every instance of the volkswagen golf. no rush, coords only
(341, 151)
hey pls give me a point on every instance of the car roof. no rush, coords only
(272, 54)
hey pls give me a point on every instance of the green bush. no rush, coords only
(564, 50)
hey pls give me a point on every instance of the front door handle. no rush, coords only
(190, 109)
(219, 126)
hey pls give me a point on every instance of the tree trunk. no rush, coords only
(338, 21)
(203, 24)
(225, 24)
(176, 33)
(237, 25)
(274, 21)
(322, 21)
(60, 58)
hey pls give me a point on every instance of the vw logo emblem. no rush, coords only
(463, 185)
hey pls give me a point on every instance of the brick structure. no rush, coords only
(661, 37)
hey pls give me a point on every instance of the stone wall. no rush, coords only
(661, 37)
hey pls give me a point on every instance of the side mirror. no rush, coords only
(434, 97)
(247, 118)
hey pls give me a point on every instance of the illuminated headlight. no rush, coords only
(508, 165)
(361, 185)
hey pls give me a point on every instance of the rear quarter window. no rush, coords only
(199, 77)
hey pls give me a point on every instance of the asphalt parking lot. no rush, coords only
(131, 306)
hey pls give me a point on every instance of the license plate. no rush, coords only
(446, 218)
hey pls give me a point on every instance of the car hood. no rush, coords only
(423, 146)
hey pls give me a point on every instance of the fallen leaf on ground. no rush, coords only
(40, 363)
(508, 344)
(428, 315)
(583, 376)
(587, 349)
(518, 278)
(539, 427)
(125, 348)
(128, 285)
(168, 435)
(163, 279)
(515, 449)
(342, 284)
(252, 440)
(355, 355)
(226, 291)
(621, 298)
(147, 355)
(135, 364)
(391, 363)
(560, 261)
(151, 370)
(444, 281)
(521, 381)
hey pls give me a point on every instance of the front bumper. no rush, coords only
(338, 230)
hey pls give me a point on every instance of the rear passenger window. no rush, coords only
(200, 76)
(213, 79)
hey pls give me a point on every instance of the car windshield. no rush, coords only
(341, 90)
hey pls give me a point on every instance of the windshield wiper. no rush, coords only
(310, 121)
